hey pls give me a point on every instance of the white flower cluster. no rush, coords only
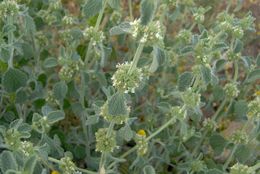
(241, 169)
(90, 33)
(68, 20)
(26, 148)
(67, 166)
(151, 33)
(123, 81)
(8, 8)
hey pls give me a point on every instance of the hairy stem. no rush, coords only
(230, 157)
(136, 57)
(10, 42)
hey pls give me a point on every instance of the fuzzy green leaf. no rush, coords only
(92, 7)
(184, 81)
(30, 165)
(147, 11)
(8, 161)
(206, 74)
(253, 76)
(148, 169)
(60, 90)
(126, 133)
(55, 116)
(50, 62)
(13, 79)
(115, 4)
(116, 105)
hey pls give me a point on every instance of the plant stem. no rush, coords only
(102, 162)
(100, 15)
(96, 29)
(10, 41)
(136, 57)
(230, 157)
(147, 139)
(236, 71)
(79, 169)
(214, 117)
(130, 10)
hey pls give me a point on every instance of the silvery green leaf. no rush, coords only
(218, 143)
(55, 116)
(122, 28)
(126, 133)
(46, 110)
(214, 171)
(50, 62)
(243, 153)
(148, 169)
(92, 7)
(185, 81)
(258, 60)
(29, 24)
(240, 109)
(205, 74)
(158, 57)
(93, 119)
(60, 90)
(253, 76)
(115, 4)
(148, 8)
(13, 79)
(7, 161)
(238, 46)
(30, 165)
(117, 105)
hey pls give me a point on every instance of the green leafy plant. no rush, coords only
(144, 86)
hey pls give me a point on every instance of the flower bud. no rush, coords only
(117, 119)
(122, 81)
(67, 166)
(241, 169)
(190, 98)
(254, 109)
(141, 143)
(231, 90)
(97, 37)
(209, 124)
(105, 142)
(26, 148)
(197, 166)
(239, 137)
(9, 8)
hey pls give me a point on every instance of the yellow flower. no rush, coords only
(257, 93)
(141, 132)
(55, 172)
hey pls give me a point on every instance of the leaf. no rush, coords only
(13, 79)
(92, 7)
(115, 4)
(60, 90)
(122, 28)
(184, 81)
(93, 119)
(258, 60)
(55, 116)
(218, 143)
(50, 62)
(205, 74)
(243, 153)
(240, 108)
(253, 76)
(238, 46)
(126, 133)
(116, 105)
(220, 46)
(148, 169)
(147, 11)
(30, 165)
(158, 55)
(29, 24)
(7, 161)
(186, 50)
(214, 171)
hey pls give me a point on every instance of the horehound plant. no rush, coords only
(143, 86)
